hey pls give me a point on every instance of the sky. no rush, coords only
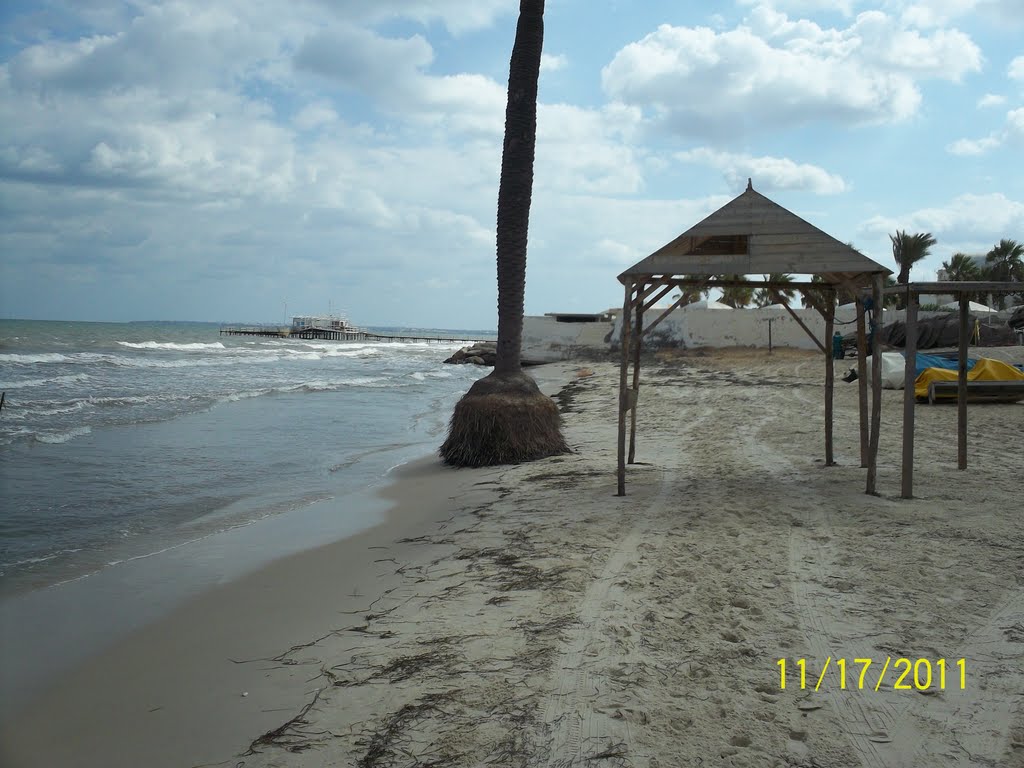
(249, 160)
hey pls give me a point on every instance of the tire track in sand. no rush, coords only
(578, 730)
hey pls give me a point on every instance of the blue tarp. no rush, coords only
(938, 361)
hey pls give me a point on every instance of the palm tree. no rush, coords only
(907, 250)
(1005, 264)
(736, 296)
(504, 418)
(961, 268)
(766, 296)
(691, 293)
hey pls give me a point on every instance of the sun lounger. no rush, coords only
(977, 391)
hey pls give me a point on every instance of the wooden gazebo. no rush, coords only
(752, 235)
(911, 293)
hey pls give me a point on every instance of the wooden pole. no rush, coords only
(638, 335)
(909, 377)
(658, 296)
(663, 315)
(770, 319)
(862, 381)
(801, 323)
(961, 384)
(623, 395)
(876, 385)
(830, 377)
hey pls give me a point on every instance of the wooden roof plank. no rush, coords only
(776, 240)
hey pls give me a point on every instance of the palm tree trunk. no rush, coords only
(505, 418)
(515, 190)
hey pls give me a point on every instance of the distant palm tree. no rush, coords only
(737, 296)
(909, 249)
(1005, 264)
(691, 293)
(504, 418)
(765, 296)
(962, 268)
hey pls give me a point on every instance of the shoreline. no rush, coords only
(252, 616)
(526, 614)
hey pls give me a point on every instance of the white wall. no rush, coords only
(689, 327)
(693, 327)
(546, 339)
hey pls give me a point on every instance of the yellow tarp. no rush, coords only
(984, 369)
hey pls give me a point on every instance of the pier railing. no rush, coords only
(328, 334)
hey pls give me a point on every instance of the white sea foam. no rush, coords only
(234, 397)
(26, 383)
(44, 357)
(62, 437)
(170, 345)
(70, 407)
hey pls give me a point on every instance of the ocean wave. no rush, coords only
(114, 401)
(424, 375)
(56, 438)
(142, 362)
(69, 407)
(38, 559)
(41, 357)
(170, 345)
(361, 352)
(320, 385)
(234, 397)
(68, 379)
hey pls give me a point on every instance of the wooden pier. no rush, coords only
(326, 334)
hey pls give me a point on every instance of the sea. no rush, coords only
(120, 440)
(141, 463)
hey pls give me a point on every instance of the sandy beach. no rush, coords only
(525, 615)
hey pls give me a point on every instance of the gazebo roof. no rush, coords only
(754, 235)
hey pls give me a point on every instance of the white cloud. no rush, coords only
(936, 13)
(1011, 133)
(315, 115)
(973, 147)
(965, 217)
(391, 71)
(845, 7)
(1015, 124)
(991, 100)
(1016, 69)
(362, 60)
(457, 15)
(587, 151)
(768, 172)
(552, 62)
(777, 72)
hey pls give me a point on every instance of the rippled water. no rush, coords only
(120, 440)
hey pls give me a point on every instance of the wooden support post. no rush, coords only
(658, 296)
(830, 377)
(876, 385)
(801, 323)
(623, 395)
(862, 381)
(961, 385)
(637, 343)
(909, 377)
(663, 315)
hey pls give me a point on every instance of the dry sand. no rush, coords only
(527, 616)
